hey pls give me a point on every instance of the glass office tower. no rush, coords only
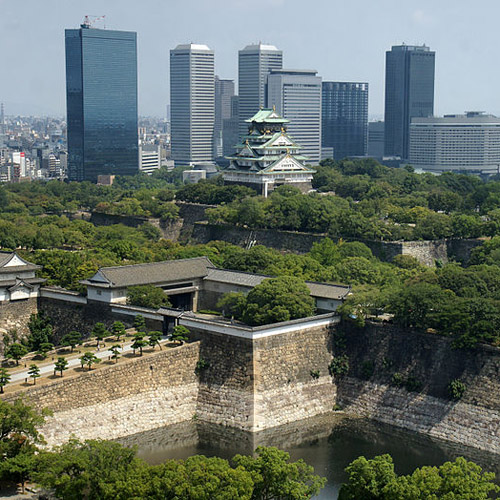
(255, 62)
(344, 121)
(101, 98)
(224, 91)
(409, 93)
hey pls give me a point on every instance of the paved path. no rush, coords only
(104, 353)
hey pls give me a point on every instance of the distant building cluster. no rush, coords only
(207, 122)
(32, 148)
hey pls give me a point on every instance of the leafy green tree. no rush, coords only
(93, 470)
(71, 339)
(326, 252)
(34, 372)
(40, 331)
(44, 349)
(154, 339)
(16, 352)
(60, 365)
(180, 334)
(376, 479)
(367, 478)
(115, 352)
(100, 332)
(4, 378)
(20, 467)
(278, 299)
(89, 359)
(414, 304)
(276, 477)
(147, 296)
(201, 478)
(139, 342)
(19, 424)
(118, 330)
(364, 301)
(139, 323)
(232, 304)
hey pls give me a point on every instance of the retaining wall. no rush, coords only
(133, 396)
(431, 361)
(426, 252)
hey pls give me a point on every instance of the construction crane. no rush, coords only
(89, 21)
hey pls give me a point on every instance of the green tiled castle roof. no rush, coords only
(266, 115)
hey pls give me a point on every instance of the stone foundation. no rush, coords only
(257, 380)
(15, 315)
(457, 422)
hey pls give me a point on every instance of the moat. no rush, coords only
(329, 443)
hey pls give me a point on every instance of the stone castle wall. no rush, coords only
(15, 315)
(226, 394)
(258, 384)
(133, 396)
(426, 252)
(291, 377)
(432, 363)
(261, 383)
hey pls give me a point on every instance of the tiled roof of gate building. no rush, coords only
(150, 273)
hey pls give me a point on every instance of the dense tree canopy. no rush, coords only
(274, 300)
(147, 296)
(375, 479)
(105, 470)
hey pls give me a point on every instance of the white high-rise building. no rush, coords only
(255, 62)
(296, 95)
(192, 95)
(149, 158)
(469, 142)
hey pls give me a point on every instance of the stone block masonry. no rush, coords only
(133, 396)
(15, 316)
(432, 364)
(262, 382)
(426, 252)
(256, 379)
(286, 367)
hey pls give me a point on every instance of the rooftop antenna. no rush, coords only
(89, 21)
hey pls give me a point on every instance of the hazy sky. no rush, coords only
(344, 40)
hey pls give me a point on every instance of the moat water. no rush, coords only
(328, 443)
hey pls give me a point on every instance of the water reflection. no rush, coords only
(328, 442)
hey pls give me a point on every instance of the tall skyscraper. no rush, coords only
(192, 103)
(101, 98)
(224, 91)
(255, 62)
(344, 123)
(376, 139)
(409, 93)
(296, 95)
(230, 133)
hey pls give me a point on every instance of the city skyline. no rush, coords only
(350, 40)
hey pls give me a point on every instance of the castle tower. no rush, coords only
(268, 157)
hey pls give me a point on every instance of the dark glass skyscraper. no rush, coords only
(101, 98)
(344, 120)
(224, 91)
(409, 93)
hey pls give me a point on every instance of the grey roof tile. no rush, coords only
(320, 290)
(152, 273)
